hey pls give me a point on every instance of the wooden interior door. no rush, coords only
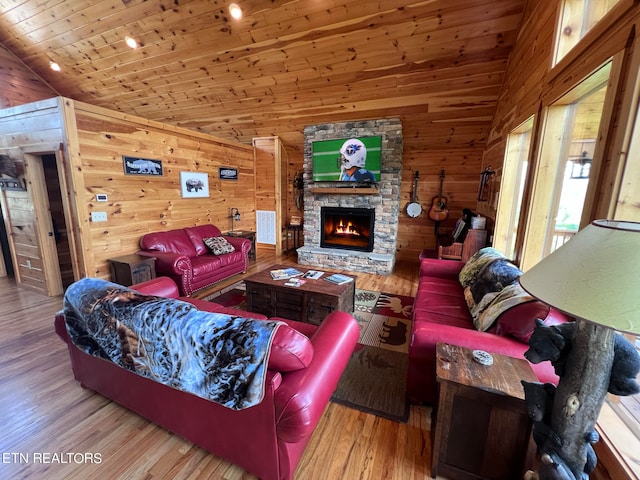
(30, 229)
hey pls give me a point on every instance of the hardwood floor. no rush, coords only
(54, 429)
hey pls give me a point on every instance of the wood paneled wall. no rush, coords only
(95, 139)
(18, 84)
(141, 204)
(532, 83)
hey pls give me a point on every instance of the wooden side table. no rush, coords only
(482, 430)
(131, 269)
(295, 231)
(248, 235)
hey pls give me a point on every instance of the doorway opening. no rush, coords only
(58, 219)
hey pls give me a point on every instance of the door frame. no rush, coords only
(34, 176)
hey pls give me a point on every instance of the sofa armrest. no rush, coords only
(241, 244)
(171, 263)
(427, 335)
(61, 327)
(159, 286)
(448, 269)
(422, 355)
(303, 395)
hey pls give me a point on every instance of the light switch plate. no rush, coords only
(101, 197)
(98, 216)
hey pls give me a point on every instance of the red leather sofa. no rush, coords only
(441, 314)
(182, 255)
(268, 439)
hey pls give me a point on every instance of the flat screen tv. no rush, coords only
(355, 159)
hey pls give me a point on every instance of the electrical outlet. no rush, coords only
(98, 216)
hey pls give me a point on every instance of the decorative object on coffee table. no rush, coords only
(593, 277)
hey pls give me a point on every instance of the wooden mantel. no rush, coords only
(345, 190)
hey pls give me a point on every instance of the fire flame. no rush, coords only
(348, 229)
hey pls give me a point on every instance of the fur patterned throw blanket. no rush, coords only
(219, 357)
(490, 283)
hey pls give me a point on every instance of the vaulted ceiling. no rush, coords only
(438, 65)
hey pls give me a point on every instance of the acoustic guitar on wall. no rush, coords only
(438, 211)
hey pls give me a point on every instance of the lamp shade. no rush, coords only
(594, 276)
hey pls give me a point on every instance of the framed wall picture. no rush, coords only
(194, 184)
(227, 173)
(141, 166)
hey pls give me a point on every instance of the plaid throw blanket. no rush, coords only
(219, 357)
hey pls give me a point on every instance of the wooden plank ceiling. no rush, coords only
(436, 64)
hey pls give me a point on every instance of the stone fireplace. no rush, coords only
(381, 200)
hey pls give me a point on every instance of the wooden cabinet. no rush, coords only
(474, 241)
(482, 430)
(131, 269)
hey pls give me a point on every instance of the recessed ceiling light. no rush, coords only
(235, 11)
(131, 41)
(54, 66)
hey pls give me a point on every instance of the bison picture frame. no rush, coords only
(141, 166)
(194, 184)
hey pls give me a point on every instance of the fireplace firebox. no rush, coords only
(347, 228)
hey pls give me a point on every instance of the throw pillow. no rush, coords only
(218, 245)
(290, 350)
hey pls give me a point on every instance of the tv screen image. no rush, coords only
(354, 159)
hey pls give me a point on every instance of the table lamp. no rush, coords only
(595, 278)
(234, 214)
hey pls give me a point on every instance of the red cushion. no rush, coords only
(519, 321)
(159, 286)
(197, 234)
(171, 241)
(290, 350)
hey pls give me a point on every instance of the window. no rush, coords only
(577, 17)
(562, 173)
(514, 174)
(620, 422)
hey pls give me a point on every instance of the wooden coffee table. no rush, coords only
(310, 302)
(482, 430)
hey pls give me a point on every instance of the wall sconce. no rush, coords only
(234, 215)
(581, 166)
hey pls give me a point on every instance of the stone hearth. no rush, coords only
(385, 199)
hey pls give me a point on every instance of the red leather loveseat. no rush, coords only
(183, 255)
(267, 439)
(441, 313)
